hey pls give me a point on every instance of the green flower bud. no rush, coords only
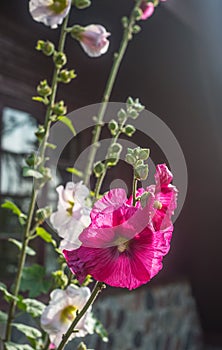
(44, 89)
(60, 279)
(130, 159)
(122, 115)
(136, 29)
(59, 108)
(113, 127)
(130, 101)
(47, 47)
(40, 133)
(144, 199)
(66, 76)
(156, 3)
(115, 148)
(81, 4)
(60, 59)
(42, 214)
(125, 22)
(129, 130)
(133, 113)
(99, 168)
(141, 172)
(144, 153)
(32, 160)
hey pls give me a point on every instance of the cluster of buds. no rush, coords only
(136, 158)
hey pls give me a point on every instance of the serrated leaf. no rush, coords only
(28, 250)
(14, 346)
(34, 280)
(3, 317)
(31, 306)
(46, 236)
(75, 172)
(29, 172)
(67, 122)
(30, 332)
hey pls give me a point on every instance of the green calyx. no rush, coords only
(76, 32)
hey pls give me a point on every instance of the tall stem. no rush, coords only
(97, 289)
(26, 234)
(108, 89)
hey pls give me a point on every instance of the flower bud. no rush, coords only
(60, 59)
(60, 279)
(141, 172)
(66, 76)
(113, 127)
(82, 346)
(81, 4)
(144, 153)
(99, 168)
(129, 130)
(47, 47)
(59, 108)
(44, 89)
(42, 214)
(136, 29)
(130, 159)
(40, 133)
(122, 115)
(125, 22)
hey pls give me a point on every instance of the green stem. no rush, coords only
(96, 290)
(127, 35)
(26, 234)
(134, 190)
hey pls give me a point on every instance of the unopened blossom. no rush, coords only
(62, 310)
(49, 12)
(124, 245)
(92, 38)
(148, 8)
(72, 215)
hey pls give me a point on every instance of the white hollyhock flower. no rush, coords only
(49, 12)
(61, 311)
(92, 38)
(72, 216)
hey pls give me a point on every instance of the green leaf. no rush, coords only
(100, 330)
(51, 145)
(75, 172)
(30, 332)
(12, 206)
(8, 296)
(46, 236)
(3, 317)
(34, 280)
(28, 250)
(14, 346)
(32, 306)
(67, 122)
(29, 172)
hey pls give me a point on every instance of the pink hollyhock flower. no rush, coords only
(61, 311)
(72, 215)
(49, 12)
(93, 39)
(124, 245)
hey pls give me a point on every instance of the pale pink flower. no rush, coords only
(61, 311)
(72, 215)
(93, 40)
(49, 12)
(124, 245)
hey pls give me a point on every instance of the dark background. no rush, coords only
(175, 67)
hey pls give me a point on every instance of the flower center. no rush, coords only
(58, 6)
(122, 244)
(69, 210)
(68, 314)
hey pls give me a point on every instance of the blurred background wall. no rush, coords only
(174, 67)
